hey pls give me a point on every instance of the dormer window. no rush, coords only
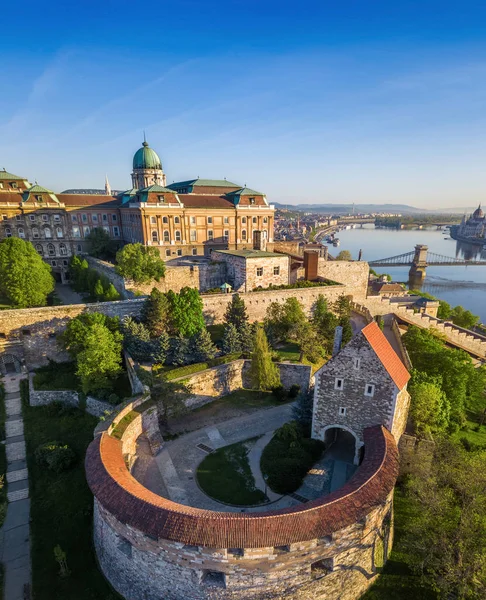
(38, 198)
(13, 185)
(251, 200)
(161, 198)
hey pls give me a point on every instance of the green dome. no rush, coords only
(146, 158)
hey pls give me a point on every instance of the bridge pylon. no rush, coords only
(419, 264)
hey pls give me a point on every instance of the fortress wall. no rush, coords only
(108, 270)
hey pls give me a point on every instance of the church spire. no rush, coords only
(107, 186)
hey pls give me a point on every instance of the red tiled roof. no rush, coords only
(131, 503)
(205, 201)
(12, 197)
(87, 200)
(384, 351)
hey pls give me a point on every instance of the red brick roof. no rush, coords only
(388, 357)
(205, 201)
(88, 200)
(12, 197)
(131, 503)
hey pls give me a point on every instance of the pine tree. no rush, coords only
(155, 312)
(180, 352)
(136, 339)
(231, 340)
(111, 294)
(342, 306)
(247, 337)
(345, 323)
(264, 374)
(98, 291)
(160, 348)
(203, 348)
(236, 313)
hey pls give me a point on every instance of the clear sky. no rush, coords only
(311, 101)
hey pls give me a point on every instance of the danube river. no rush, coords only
(456, 285)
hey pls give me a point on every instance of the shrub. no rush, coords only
(113, 399)
(280, 393)
(294, 390)
(54, 456)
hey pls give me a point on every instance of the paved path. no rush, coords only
(67, 295)
(15, 535)
(254, 457)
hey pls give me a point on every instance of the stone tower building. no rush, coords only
(365, 384)
(147, 168)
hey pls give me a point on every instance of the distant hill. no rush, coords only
(403, 209)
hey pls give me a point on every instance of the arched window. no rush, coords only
(155, 236)
(8, 232)
(243, 234)
(47, 233)
(51, 250)
(166, 236)
(21, 232)
(265, 219)
(243, 220)
(255, 219)
(35, 233)
(63, 249)
(39, 249)
(178, 236)
(165, 220)
(177, 220)
(59, 232)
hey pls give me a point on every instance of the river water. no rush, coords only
(456, 285)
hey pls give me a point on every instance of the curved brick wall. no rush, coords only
(151, 548)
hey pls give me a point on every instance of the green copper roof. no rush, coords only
(38, 189)
(6, 175)
(245, 192)
(203, 183)
(146, 158)
(155, 188)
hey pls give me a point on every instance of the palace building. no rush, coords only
(192, 217)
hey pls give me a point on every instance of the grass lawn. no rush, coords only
(243, 399)
(289, 351)
(475, 437)
(225, 475)
(397, 581)
(62, 509)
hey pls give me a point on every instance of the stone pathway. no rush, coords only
(67, 295)
(254, 457)
(15, 534)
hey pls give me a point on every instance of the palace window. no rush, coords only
(193, 220)
(74, 218)
(153, 220)
(226, 235)
(251, 200)
(21, 232)
(39, 249)
(84, 218)
(177, 236)
(45, 217)
(38, 198)
(177, 220)
(59, 232)
(255, 220)
(193, 235)
(107, 229)
(114, 218)
(47, 233)
(8, 232)
(18, 217)
(94, 218)
(54, 263)
(116, 231)
(179, 252)
(32, 217)
(369, 390)
(51, 250)
(166, 236)
(35, 233)
(226, 220)
(76, 232)
(259, 271)
(194, 251)
(155, 236)
(276, 270)
(63, 249)
(243, 234)
(57, 217)
(265, 220)
(210, 220)
(13, 185)
(86, 230)
(105, 218)
(4, 217)
(243, 220)
(161, 198)
(65, 263)
(210, 234)
(338, 383)
(167, 252)
(79, 248)
(165, 220)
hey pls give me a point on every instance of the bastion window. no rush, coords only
(338, 383)
(276, 270)
(39, 249)
(178, 236)
(165, 220)
(321, 568)
(369, 389)
(210, 234)
(51, 250)
(166, 236)
(21, 232)
(35, 233)
(213, 579)
(155, 236)
(342, 411)
(47, 233)
(356, 363)
(259, 271)
(243, 234)
(8, 232)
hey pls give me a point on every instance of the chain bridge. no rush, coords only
(420, 258)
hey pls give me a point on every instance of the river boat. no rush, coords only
(336, 242)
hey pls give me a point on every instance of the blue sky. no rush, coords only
(351, 101)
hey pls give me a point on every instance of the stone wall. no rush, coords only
(108, 270)
(415, 451)
(352, 274)
(219, 381)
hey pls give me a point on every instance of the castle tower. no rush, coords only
(147, 168)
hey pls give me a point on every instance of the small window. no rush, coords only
(165, 220)
(369, 389)
(35, 233)
(54, 263)
(276, 270)
(86, 230)
(57, 217)
(161, 198)
(13, 185)
(26, 332)
(356, 363)
(177, 220)
(243, 234)
(38, 198)
(342, 411)
(21, 232)
(259, 271)
(76, 232)
(47, 233)
(155, 236)
(226, 235)
(51, 250)
(166, 236)
(153, 220)
(179, 252)
(59, 232)
(45, 218)
(193, 235)
(167, 252)
(84, 218)
(265, 220)
(63, 249)
(39, 249)
(18, 217)
(213, 579)
(32, 217)
(107, 229)
(338, 383)
(251, 200)
(243, 220)
(194, 251)
(74, 218)
(4, 217)
(8, 232)
(210, 220)
(114, 218)
(210, 234)
(193, 220)
(65, 263)
(94, 218)
(255, 220)
(226, 220)
(79, 248)
(116, 231)
(177, 236)
(105, 218)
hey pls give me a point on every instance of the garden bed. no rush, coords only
(225, 475)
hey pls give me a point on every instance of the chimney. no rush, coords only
(259, 240)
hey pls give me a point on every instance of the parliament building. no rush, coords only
(190, 217)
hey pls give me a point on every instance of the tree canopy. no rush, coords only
(186, 312)
(139, 263)
(100, 244)
(284, 319)
(264, 374)
(155, 312)
(344, 255)
(236, 312)
(25, 279)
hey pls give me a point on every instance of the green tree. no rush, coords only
(236, 312)
(99, 363)
(342, 306)
(79, 269)
(444, 310)
(309, 341)
(325, 323)
(111, 294)
(155, 312)
(446, 539)
(100, 244)
(345, 323)
(463, 318)
(98, 291)
(136, 339)
(202, 346)
(72, 339)
(186, 312)
(283, 320)
(429, 408)
(140, 263)
(344, 255)
(170, 398)
(180, 351)
(264, 374)
(25, 279)
(247, 337)
(231, 340)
